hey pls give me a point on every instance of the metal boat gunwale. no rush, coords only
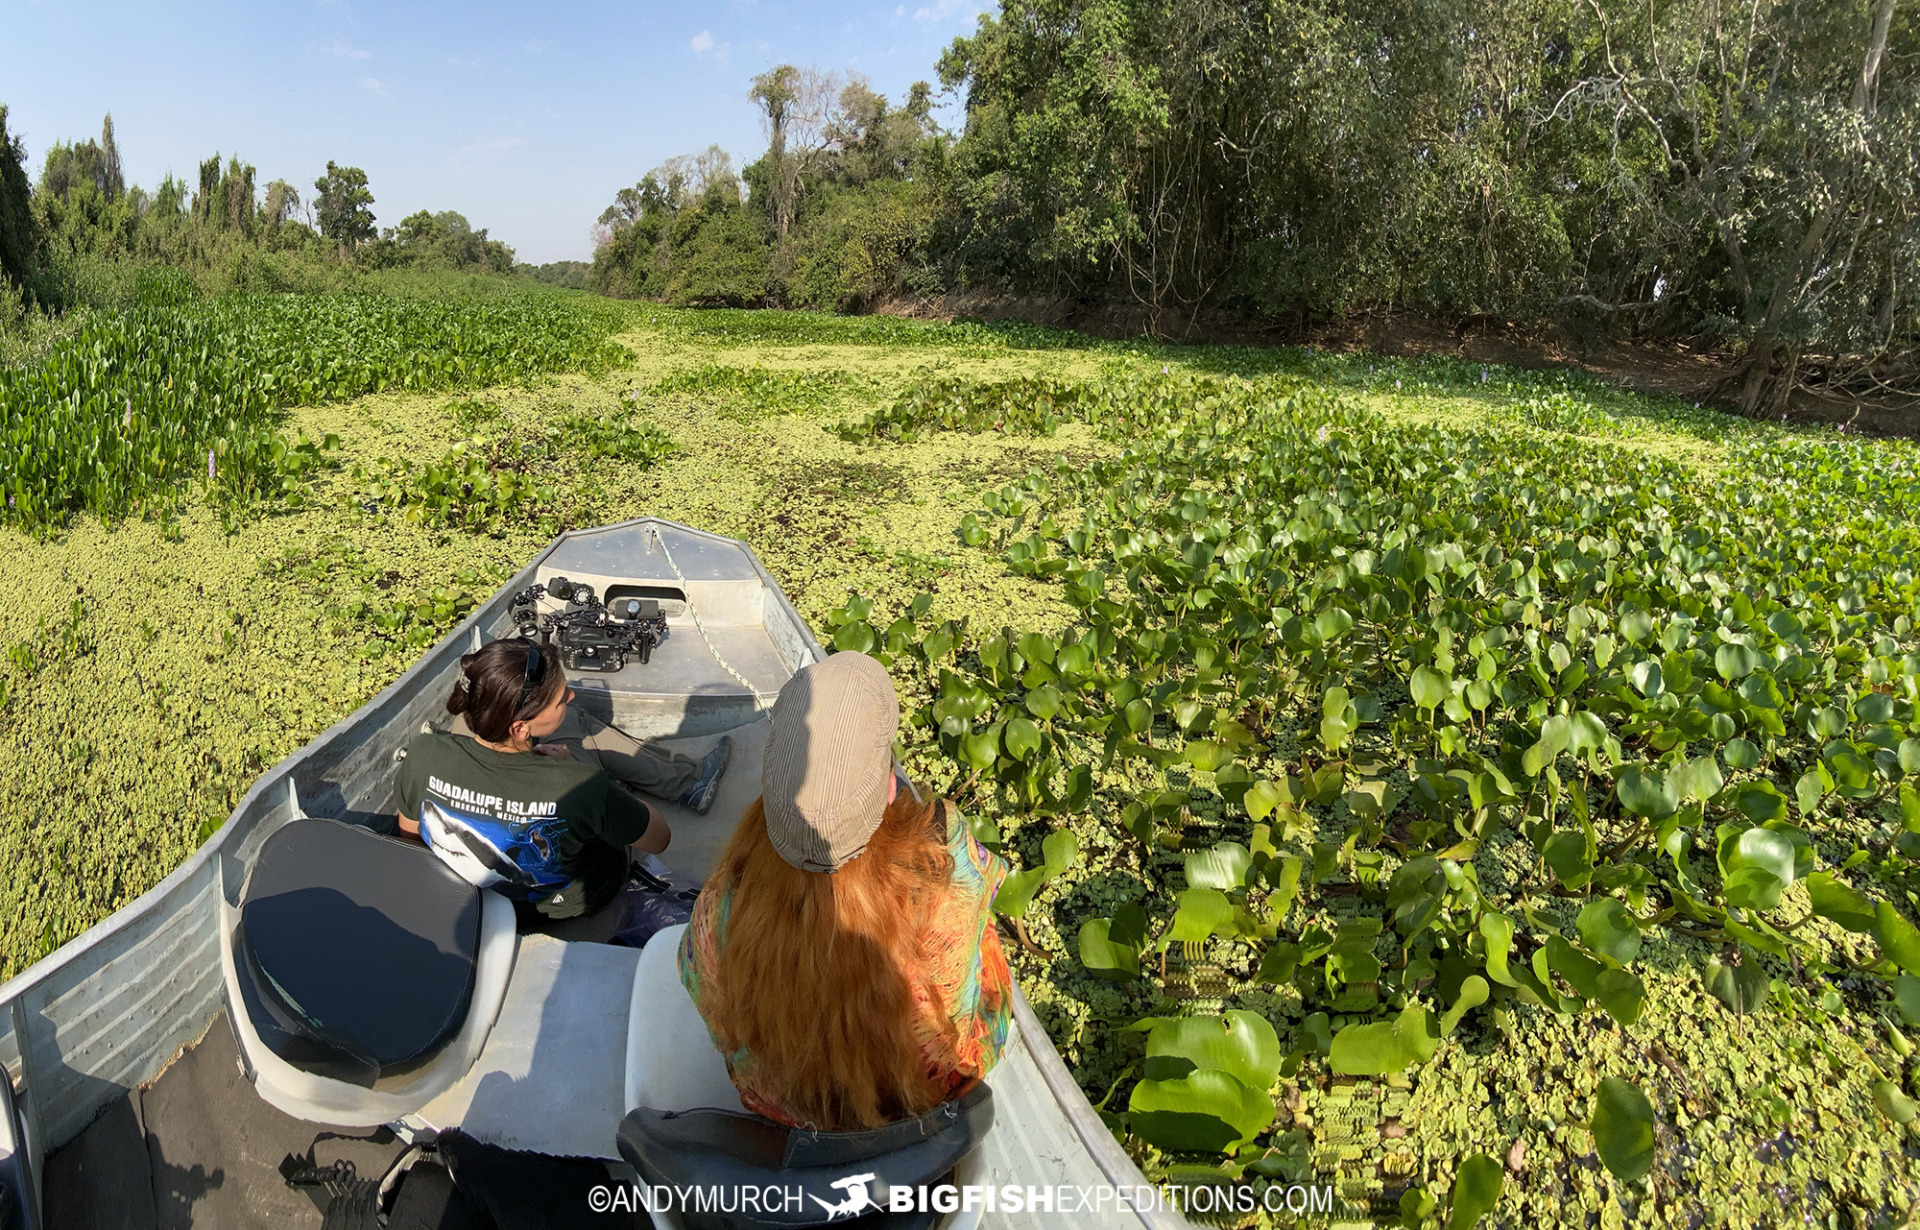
(181, 890)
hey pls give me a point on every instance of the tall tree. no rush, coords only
(343, 203)
(19, 241)
(239, 195)
(796, 110)
(112, 184)
(283, 201)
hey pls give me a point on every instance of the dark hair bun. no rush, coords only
(457, 703)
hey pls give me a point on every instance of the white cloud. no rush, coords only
(343, 50)
(372, 86)
(702, 42)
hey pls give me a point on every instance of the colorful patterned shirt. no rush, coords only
(966, 968)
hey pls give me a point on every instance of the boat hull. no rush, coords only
(108, 1012)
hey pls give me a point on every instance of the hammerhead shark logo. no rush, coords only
(857, 1198)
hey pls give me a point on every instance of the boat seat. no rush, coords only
(731, 1150)
(685, 1125)
(361, 973)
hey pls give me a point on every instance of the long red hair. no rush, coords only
(816, 976)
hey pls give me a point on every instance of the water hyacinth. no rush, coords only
(1435, 687)
(224, 370)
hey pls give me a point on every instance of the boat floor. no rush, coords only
(199, 1148)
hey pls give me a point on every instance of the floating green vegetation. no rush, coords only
(1411, 727)
(1492, 795)
(766, 391)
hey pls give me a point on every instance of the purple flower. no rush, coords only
(209, 465)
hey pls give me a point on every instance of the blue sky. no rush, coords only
(527, 119)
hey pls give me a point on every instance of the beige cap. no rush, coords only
(828, 761)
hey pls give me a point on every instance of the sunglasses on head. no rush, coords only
(536, 671)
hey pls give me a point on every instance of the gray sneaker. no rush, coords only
(700, 797)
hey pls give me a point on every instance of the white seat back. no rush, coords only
(672, 1063)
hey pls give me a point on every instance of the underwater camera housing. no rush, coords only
(591, 635)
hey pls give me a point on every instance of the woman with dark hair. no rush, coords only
(552, 832)
(842, 953)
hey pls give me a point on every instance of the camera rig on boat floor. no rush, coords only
(592, 635)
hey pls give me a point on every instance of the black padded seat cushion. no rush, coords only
(729, 1150)
(355, 952)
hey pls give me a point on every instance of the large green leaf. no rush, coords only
(1897, 937)
(1623, 1128)
(1059, 851)
(980, 749)
(1261, 798)
(1202, 912)
(1759, 801)
(1241, 1044)
(1608, 928)
(1497, 930)
(1476, 1190)
(1224, 867)
(1894, 1103)
(1022, 738)
(1473, 992)
(1754, 888)
(1043, 702)
(1570, 854)
(1382, 1047)
(1734, 661)
(1741, 987)
(1429, 687)
(1699, 779)
(1206, 1111)
(1906, 998)
(1622, 994)
(1207, 755)
(1636, 626)
(1017, 890)
(1581, 971)
(1105, 958)
(1761, 848)
(1648, 792)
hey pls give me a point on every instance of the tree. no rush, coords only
(796, 106)
(112, 184)
(283, 201)
(19, 235)
(639, 238)
(1769, 150)
(342, 201)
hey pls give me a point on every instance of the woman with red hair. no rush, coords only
(842, 953)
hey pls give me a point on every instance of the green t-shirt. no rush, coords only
(599, 819)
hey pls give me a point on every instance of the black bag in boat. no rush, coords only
(649, 904)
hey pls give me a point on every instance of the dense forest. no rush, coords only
(1744, 173)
